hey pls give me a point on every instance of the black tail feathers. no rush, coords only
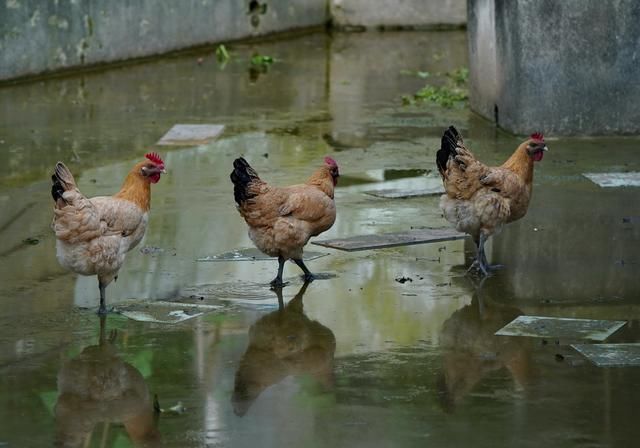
(242, 176)
(60, 180)
(56, 189)
(450, 140)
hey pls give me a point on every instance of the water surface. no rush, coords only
(358, 359)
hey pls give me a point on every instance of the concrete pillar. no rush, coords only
(568, 67)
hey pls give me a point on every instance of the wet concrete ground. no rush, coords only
(359, 360)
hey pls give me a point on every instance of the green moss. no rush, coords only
(453, 92)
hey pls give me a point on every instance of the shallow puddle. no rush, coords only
(360, 358)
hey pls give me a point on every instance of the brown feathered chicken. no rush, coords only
(282, 219)
(480, 199)
(93, 235)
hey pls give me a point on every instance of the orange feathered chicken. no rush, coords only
(480, 199)
(282, 219)
(94, 235)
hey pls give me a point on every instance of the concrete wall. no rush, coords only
(398, 13)
(41, 36)
(568, 67)
(38, 36)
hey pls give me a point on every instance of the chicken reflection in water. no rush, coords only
(283, 343)
(97, 386)
(472, 351)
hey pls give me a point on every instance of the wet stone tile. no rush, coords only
(384, 240)
(561, 328)
(398, 193)
(615, 179)
(611, 355)
(190, 134)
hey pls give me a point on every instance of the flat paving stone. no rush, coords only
(251, 254)
(163, 312)
(384, 240)
(610, 355)
(609, 180)
(561, 328)
(190, 134)
(399, 193)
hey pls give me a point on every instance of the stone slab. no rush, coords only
(561, 328)
(190, 134)
(608, 180)
(384, 240)
(163, 312)
(610, 355)
(399, 193)
(252, 254)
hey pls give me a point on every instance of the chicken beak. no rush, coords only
(545, 148)
(163, 171)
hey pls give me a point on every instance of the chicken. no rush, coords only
(480, 199)
(98, 386)
(93, 235)
(281, 220)
(283, 343)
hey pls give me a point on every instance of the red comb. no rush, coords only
(155, 158)
(537, 136)
(329, 161)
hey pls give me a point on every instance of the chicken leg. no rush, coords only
(480, 263)
(308, 276)
(102, 311)
(277, 282)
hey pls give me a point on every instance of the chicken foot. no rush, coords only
(308, 276)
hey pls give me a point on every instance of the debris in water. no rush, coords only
(262, 60)
(404, 279)
(177, 409)
(561, 328)
(222, 55)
